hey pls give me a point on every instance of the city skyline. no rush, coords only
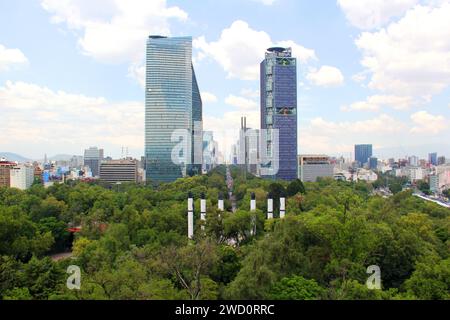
(343, 97)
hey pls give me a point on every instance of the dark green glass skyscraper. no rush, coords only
(172, 102)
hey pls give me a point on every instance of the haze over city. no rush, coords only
(74, 78)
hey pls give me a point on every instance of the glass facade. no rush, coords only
(433, 159)
(172, 102)
(92, 158)
(373, 163)
(279, 109)
(362, 153)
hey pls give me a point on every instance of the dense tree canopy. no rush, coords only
(133, 242)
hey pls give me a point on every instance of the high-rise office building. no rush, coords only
(279, 112)
(76, 161)
(115, 171)
(249, 143)
(434, 183)
(441, 161)
(433, 158)
(413, 161)
(312, 167)
(92, 159)
(373, 163)
(362, 153)
(172, 103)
(210, 151)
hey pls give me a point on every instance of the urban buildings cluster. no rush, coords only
(177, 146)
(15, 175)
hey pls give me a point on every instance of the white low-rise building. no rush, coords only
(442, 178)
(415, 174)
(361, 175)
(367, 175)
(22, 176)
(312, 167)
(402, 172)
(434, 183)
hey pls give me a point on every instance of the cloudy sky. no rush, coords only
(370, 71)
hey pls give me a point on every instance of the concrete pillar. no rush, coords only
(282, 207)
(269, 206)
(253, 209)
(253, 202)
(220, 204)
(203, 209)
(190, 216)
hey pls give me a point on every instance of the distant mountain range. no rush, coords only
(14, 157)
(19, 158)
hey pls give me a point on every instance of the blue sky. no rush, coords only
(373, 71)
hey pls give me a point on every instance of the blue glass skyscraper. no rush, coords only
(373, 163)
(172, 102)
(362, 153)
(279, 110)
(433, 158)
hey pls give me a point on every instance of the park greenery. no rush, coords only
(133, 243)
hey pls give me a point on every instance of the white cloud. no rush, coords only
(411, 56)
(326, 76)
(10, 58)
(37, 119)
(208, 97)
(338, 137)
(376, 102)
(370, 14)
(266, 2)
(426, 123)
(226, 127)
(137, 71)
(114, 31)
(240, 50)
(241, 103)
(383, 124)
(359, 77)
(250, 93)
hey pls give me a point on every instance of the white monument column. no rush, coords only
(253, 202)
(253, 209)
(269, 206)
(282, 207)
(190, 216)
(203, 209)
(220, 204)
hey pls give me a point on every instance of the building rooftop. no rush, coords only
(277, 49)
(279, 52)
(122, 161)
(4, 162)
